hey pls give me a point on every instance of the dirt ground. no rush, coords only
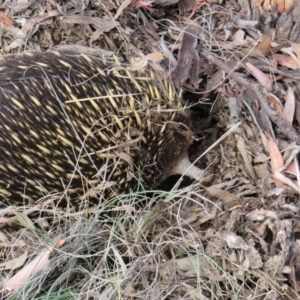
(232, 236)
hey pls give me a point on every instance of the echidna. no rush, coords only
(76, 122)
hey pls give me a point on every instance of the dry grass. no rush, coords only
(118, 255)
(152, 253)
(193, 242)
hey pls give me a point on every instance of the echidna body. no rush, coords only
(77, 123)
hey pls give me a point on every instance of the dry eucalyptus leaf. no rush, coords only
(188, 58)
(223, 195)
(246, 157)
(287, 61)
(234, 241)
(289, 107)
(254, 257)
(14, 263)
(261, 77)
(39, 263)
(276, 157)
(275, 264)
(296, 49)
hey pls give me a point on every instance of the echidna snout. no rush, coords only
(80, 122)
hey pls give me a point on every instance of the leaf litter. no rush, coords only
(232, 236)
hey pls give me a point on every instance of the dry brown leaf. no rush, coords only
(286, 61)
(227, 34)
(243, 268)
(209, 216)
(293, 167)
(255, 258)
(142, 4)
(265, 45)
(5, 221)
(273, 264)
(126, 157)
(225, 196)
(289, 107)
(157, 56)
(124, 5)
(296, 49)
(262, 49)
(59, 243)
(275, 103)
(138, 63)
(284, 5)
(186, 6)
(14, 263)
(190, 266)
(234, 241)
(273, 63)
(39, 263)
(141, 62)
(290, 51)
(281, 5)
(262, 78)
(276, 157)
(102, 24)
(258, 215)
(188, 58)
(241, 145)
(238, 38)
(4, 19)
(49, 14)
